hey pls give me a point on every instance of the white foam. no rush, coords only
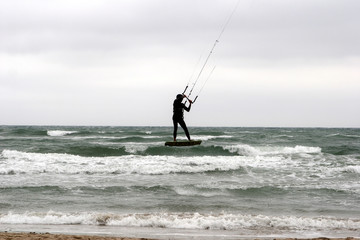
(352, 136)
(349, 169)
(301, 149)
(333, 135)
(353, 169)
(343, 135)
(59, 133)
(221, 221)
(49, 218)
(203, 137)
(16, 162)
(208, 137)
(243, 149)
(191, 191)
(133, 147)
(247, 150)
(23, 162)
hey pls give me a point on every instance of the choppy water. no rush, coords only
(255, 181)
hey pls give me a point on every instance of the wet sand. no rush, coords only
(48, 236)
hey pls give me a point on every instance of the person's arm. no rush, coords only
(188, 108)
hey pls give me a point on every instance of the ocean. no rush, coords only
(239, 183)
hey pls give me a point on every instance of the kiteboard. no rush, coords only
(182, 143)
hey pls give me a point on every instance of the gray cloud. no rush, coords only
(279, 62)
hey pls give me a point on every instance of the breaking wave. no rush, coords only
(23, 162)
(59, 133)
(247, 150)
(220, 221)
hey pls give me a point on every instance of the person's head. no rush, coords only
(179, 97)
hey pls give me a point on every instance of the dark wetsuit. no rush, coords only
(178, 117)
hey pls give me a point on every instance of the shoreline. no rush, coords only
(91, 232)
(49, 236)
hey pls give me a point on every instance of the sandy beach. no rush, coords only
(48, 236)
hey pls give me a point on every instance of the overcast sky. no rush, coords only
(279, 63)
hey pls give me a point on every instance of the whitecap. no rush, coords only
(243, 149)
(301, 149)
(247, 150)
(186, 220)
(50, 217)
(23, 162)
(59, 133)
(194, 191)
(204, 137)
(346, 169)
(134, 148)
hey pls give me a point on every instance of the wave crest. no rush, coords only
(59, 133)
(216, 221)
(247, 150)
(22, 162)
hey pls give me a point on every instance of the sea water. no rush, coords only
(239, 181)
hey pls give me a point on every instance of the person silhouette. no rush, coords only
(178, 115)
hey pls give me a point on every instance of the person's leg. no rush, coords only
(183, 125)
(175, 129)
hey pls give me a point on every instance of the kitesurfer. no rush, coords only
(178, 116)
